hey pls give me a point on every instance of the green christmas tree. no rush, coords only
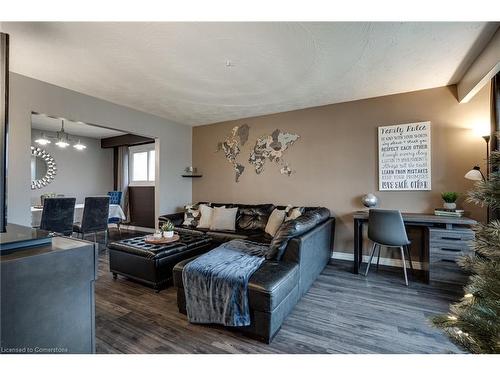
(474, 321)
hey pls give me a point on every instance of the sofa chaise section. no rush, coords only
(276, 287)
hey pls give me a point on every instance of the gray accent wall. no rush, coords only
(79, 173)
(173, 141)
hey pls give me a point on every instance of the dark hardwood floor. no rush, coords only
(341, 313)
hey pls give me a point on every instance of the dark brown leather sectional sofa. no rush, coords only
(298, 254)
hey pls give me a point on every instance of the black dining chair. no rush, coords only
(58, 215)
(387, 228)
(94, 218)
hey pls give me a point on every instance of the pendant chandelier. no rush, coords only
(62, 139)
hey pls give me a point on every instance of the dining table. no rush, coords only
(115, 211)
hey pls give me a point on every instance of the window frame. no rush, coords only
(137, 149)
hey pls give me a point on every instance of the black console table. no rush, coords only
(47, 296)
(440, 234)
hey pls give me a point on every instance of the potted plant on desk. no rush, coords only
(450, 199)
(168, 229)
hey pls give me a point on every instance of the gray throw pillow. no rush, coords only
(224, 218)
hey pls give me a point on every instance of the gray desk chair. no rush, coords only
(386, 228)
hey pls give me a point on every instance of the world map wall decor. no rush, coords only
(268, 147)
(271, 147)
(404, 156)
(231, 146)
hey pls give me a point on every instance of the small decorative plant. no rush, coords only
(450, 199)
(168, 229)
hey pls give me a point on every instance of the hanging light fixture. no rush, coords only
(62, 137)
(43, 140)
(79, 146)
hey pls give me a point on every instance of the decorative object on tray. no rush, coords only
(449, 212)
(152, 240)
(450, 199)
(168, 229)
(369, 200)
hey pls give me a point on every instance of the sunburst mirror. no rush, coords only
(43, 168)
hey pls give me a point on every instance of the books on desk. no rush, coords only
(448, 212)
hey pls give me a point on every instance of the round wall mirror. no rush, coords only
(43, 168)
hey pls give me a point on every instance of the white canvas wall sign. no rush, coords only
(404, 156)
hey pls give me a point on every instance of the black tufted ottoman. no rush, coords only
(153, 264)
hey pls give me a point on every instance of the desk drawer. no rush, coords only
(450, 239)
(447, 254)
(453, 235)
(446, 271)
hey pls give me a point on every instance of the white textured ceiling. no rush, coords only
(51, 124)
(178, 70)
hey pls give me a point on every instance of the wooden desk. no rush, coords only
(424, 220)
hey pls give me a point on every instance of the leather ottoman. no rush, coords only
(153, 264)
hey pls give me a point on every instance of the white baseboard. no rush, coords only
(393, 262)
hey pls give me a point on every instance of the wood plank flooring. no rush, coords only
(341, 313)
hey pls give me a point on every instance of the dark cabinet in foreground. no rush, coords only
(47, 298)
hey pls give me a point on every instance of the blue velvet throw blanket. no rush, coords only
(216, 283)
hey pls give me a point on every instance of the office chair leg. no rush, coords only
(378, 257)
(371, 257)
(409, 257)
(404, 264)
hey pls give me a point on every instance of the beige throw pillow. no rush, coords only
(223, 218)
(275, 220)
(206, 213)
(293, 214)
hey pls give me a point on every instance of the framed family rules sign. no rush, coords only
(404, 156)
